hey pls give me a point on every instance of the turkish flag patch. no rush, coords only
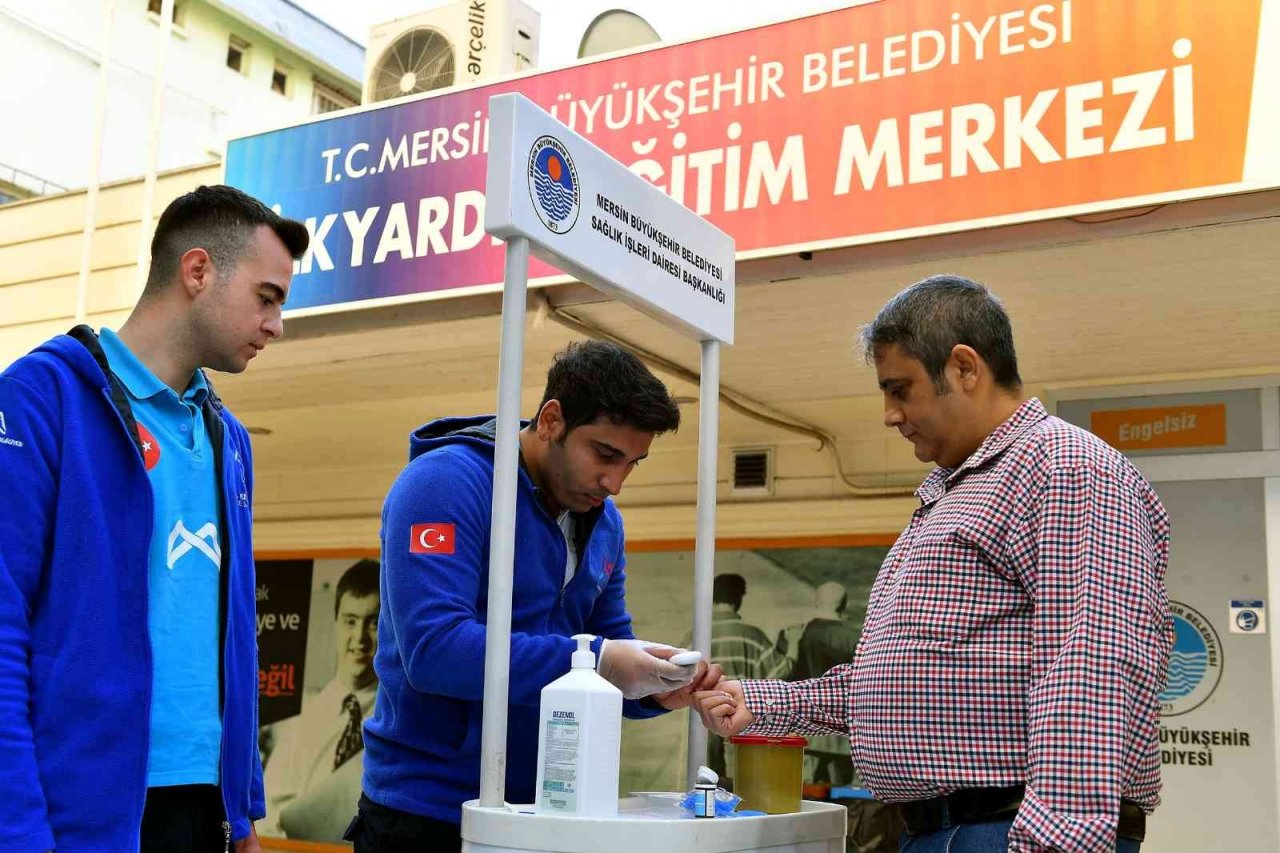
(434, 538)
(150, 448)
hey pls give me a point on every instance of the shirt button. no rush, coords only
(184, 427)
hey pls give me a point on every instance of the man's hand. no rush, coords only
(641, 669)
(249, 844)
(706, 678)
(723, 709)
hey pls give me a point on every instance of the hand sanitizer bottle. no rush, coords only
(580, 739)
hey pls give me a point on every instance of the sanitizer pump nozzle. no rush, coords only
(583, 658)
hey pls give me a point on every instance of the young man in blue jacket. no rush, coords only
(599, 414)
(128, 648)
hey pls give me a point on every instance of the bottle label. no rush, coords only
(560, 767)
(704, 802)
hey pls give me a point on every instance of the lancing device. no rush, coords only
(685, 658)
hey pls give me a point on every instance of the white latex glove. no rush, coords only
(639, 668)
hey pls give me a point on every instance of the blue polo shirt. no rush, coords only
(183, 572)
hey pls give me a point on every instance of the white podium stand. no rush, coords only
(646, 826)
(552, 192)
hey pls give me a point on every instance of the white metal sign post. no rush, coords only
(551, 191)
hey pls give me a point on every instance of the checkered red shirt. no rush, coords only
(1018, 632)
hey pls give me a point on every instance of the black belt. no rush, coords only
(983, 805)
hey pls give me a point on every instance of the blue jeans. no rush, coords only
(977, 838)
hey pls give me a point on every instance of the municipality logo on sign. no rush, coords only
(553, 184)
(1195, 666)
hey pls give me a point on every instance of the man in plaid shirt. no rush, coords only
(1004, 691)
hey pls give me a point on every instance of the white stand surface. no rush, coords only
(646, 823)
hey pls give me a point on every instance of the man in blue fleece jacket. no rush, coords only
(600, 412)
(128, 644)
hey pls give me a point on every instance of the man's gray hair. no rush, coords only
(933, 316)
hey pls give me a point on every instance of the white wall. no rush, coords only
(49, 59)
(1225, 799)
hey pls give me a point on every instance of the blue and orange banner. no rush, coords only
(892, 119)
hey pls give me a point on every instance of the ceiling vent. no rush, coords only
(752, 471)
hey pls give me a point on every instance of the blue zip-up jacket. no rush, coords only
(422, 744)
(75, 653)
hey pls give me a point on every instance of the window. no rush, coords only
(238, 55)
(280, 80)
(155, 7)
(327, 98)
(524, 49)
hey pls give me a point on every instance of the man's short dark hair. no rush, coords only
(220, 220)
(934, 315)
(729, 589)
(598, 378)
(359, 581)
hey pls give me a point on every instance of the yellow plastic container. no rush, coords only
(770, 773)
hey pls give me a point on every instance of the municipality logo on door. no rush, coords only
(1195, 666)
(553, 184)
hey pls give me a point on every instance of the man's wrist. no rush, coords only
(755, 700)
(753, 697)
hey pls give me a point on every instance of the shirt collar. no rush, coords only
(725, 613)
(335, 693)
(1001, 438)
(138, 379)
(366, 698)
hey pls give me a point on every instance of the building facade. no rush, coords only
(233, 67)
(1135, 251)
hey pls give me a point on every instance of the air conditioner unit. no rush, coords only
(453, 45)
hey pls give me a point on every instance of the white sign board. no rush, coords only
(1248, 616)
(588, 214)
